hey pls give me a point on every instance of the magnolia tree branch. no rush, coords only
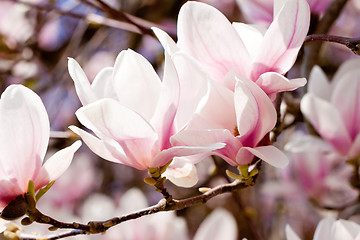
(352, 43)
(120, 20)
(95, 227)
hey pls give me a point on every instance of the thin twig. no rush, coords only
(352, 43)
(124, 21)
(94, 227)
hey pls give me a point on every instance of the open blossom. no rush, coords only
(24, 138)
(261, 55)
(261, 11)
(333, 107)
(331, 229)
(240, 119)
(132, 113)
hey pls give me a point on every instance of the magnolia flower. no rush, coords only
(240, 119)
(24, 138)
(220, 224)
(132, 113)
(331, 229)
(261, 11)
(333, 107)
(318, 170)
(263, 56)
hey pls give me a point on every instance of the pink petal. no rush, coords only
(355, 147)
(136, 83)
(346, 98)
(108, 118)
(166, 155)
(8, 192)
(231, 144)
(24, 134)
(327, 121)
(163, 119)
(269, 154)
(55, 166)
(251, 36)
(255, 113)
(272, 83)
(100, 147)
(219, 100)
(207, 35)
(283, 39)
(346, 67)
(182, 173)
(82, 84)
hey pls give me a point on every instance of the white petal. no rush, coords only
(166, 41)
(269, 154)
(182, 173)
(24, 134)
(82, 84)
(136, 83)
(109, 118)
(290, 234)
(164, 116)
(207, 35)
(103, 85)
(55, 166)
(220, 224)
(283, 39)
(319, 84)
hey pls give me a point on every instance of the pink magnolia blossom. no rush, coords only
(333, 108)
(240, 119)
(132, 113)
(331, 229)
(261, 11)
(24, 138)
(318, 170)
(261, 55)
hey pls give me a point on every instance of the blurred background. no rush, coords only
(37, 37)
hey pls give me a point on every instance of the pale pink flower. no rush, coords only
(318, 170)
(240, 119)
(220, 224)
(24, 138)
(333, 108)
(331, 229)
(261, 55)
(132, 113)
(261, 11)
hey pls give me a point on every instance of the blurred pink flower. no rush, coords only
(331, 229)
(261, 11)
(259, 54)
(333, 107)
(23, 142)
(220, 224)
(319, 172)
(132, 112)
